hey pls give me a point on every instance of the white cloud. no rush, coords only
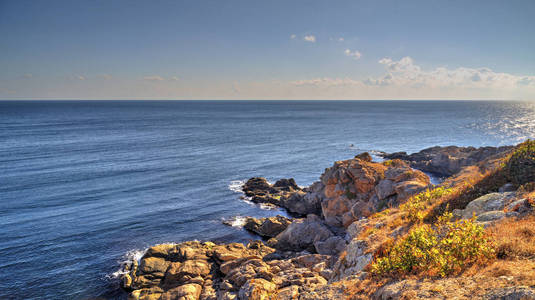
(293, 36)
(355, 54)
(80, 77)
(310, 38)
(27, 76)
(174, 78)
(405, 79)
(153, 78)
(327, 82)
(105, 76)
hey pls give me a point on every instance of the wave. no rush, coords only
(236, 221)
(236, 185)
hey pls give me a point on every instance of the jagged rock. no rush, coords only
(286, 185)
(195, 270)
(257, 289)
(356, 188)
(365, 156)
(267, 227)
(446, 161)
(302, 234)
(284, 193)
(330, 246)
(355, 260)
(183, 292)
(347, 191)
(356, 228)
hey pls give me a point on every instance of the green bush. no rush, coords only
(443, 249)
(416, 204)
(521, 165)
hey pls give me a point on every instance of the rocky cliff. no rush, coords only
(341, 222)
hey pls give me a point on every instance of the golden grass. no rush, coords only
(514, 238)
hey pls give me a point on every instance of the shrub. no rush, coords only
(521, 165)
(443, 249)
(416, 204)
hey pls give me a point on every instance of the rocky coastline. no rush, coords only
(321, 252)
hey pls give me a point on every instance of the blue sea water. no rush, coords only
(83, 183)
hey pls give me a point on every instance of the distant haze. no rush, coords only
(267, 49)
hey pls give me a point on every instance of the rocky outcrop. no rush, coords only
(267, 227)
(446, 161)
(490, 207)
(356, 258)
(347, 191)
(357, 188)
(310, 234)
(194, 270)
(284, 193)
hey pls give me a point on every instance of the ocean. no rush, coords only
(86, 184)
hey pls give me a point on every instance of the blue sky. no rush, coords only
(267, 49)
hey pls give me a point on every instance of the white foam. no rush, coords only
(236, 186)
(267, 206)
(127, 259)
(237, 221)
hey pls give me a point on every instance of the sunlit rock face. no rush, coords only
(358, 187)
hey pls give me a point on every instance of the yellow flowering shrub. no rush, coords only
(443, 249)
(416, 204)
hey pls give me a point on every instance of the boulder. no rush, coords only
(302, 234)
(355, 260)
(257, 289)
(183, 292)
(486, 203)
(267, 227)
(357, 188)
(331, 246)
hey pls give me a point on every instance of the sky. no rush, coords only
(194, 49)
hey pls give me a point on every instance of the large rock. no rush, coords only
(347, 191)
(354, 261)
(302, 234)
(357, 188)
(446, 161)
(284, 193)
(488, 203)
(267, 227)
(206, 271)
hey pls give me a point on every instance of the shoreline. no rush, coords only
(323, 227)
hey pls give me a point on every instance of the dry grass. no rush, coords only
(514, 238)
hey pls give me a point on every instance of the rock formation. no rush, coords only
(324, 252)
(446, 161)
(195, 270)
(347, 191)
(267, 227)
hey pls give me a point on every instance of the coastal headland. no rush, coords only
(370, 229)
